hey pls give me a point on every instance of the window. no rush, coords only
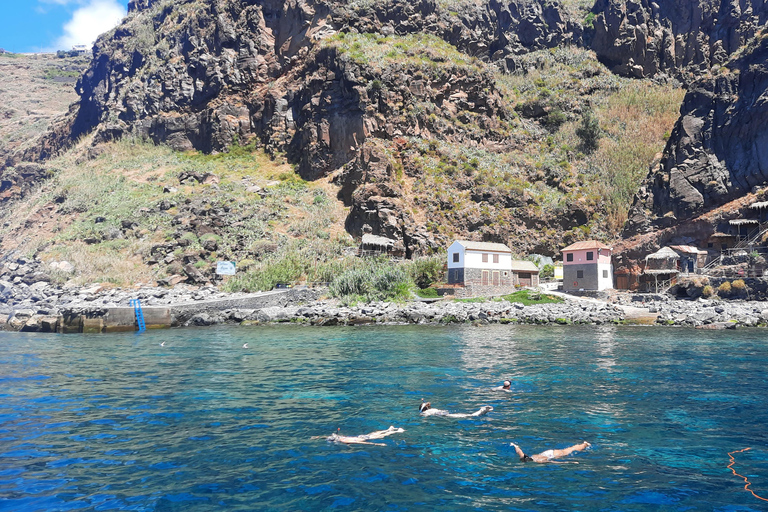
(569, 256)
(590, 256)
(505, 273)
(710, 245)
(485, 258)
(455, 257)
(605, 274)
(579, 274)
(724, 246)
(495, 258)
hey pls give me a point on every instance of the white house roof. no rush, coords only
(483, 246)
(524, 266)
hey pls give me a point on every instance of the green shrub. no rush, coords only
(724, 289)
(555, 119)
(427, 293)
(547, 272)
(707, 291)
(589, 132)
(739, 285)
(379, 281)
(426, 271)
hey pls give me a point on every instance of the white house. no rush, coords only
(479, 263)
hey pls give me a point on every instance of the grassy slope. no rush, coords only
(33, 90)
(89, 199)
(296, 230)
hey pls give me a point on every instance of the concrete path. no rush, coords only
(632, 314)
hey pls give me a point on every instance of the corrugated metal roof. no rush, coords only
(687, 249)
(761, 204)
(524, 266)
(742, 222)
(484, 246)
(661, 271)
(586, 244)
(664, 253)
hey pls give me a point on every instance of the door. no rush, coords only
(484, 278)
(496, 278)
(525, 279)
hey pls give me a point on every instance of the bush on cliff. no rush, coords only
(707, 291)
(724, 290)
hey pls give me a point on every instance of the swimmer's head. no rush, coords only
(424, 406)
(507, 384)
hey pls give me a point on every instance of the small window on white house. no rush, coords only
(505, 273)
(579, 274)
(455, 257)
(485, 258)
(590, 256)
(569, 256)
(495, 258)
(605, 274)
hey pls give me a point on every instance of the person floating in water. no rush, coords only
(504, 387)
(425, 409)
(364, 439)
(549, 455)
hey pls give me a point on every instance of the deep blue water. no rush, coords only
(118, 422)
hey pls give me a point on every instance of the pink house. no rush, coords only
(587, 266)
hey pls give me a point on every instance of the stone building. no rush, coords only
(587, 266)
(525, 273)
(479, 264)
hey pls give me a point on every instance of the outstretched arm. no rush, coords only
(380, 434)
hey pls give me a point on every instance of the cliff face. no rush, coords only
(718, 150)
(681, 38)
(225, 70)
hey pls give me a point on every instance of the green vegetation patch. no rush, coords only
(529, 297)
(423, 50)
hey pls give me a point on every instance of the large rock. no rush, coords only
(641, 38)
(718, 150)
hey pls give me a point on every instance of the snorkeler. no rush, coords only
(504, 387)
(379, 434)
(549, 455)
(425, 409)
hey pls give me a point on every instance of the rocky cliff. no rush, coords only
(718, 150)
(434, 118)
(681, 38)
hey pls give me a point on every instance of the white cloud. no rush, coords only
(89, 21)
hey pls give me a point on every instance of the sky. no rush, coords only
(50, 25)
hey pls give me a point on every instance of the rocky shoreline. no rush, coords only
(30, 301)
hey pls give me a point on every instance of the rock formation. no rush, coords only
(681, 38)
(718, 150)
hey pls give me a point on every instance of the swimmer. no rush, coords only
(549, 455)
(425, 409)
(504, 387)
(379, 434)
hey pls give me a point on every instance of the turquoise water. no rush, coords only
(119, 422)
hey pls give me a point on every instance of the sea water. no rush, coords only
(191, 419)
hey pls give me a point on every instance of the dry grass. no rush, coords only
(126, 182)
(33, 90)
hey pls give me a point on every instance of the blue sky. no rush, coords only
(49, 25)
